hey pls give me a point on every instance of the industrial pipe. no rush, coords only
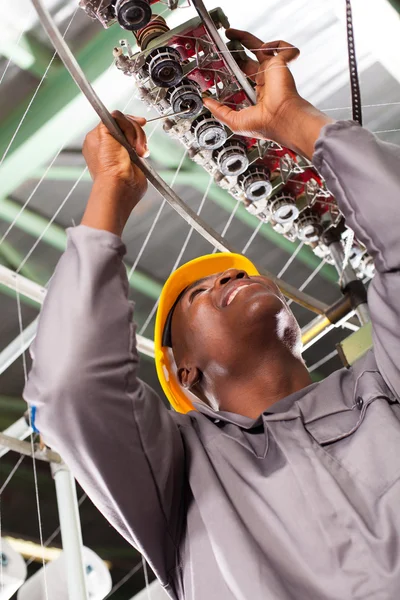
(71, 533)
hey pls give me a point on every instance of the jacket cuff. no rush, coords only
(328, 132)
(82, 234)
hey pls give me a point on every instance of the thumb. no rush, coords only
(223, 113)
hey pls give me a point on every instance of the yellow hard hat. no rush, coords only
(177, 282)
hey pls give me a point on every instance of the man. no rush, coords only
(270, 486)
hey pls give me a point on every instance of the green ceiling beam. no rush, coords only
(55, 236)
(395, 4)
(12, 404)
(59, 112)
(4, 289)
(27, 53)
(14, 258)
(62, 173)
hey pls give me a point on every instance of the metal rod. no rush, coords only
(19, 430)
(225, 54)
(18, 346)
(25, 448)
(28, 288)
(33, 290)
(321, 325)
(314, 328)
(348, 275)
(161, 117)
(154, 178)
(71, 532)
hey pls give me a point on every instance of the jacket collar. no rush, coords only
(284, 409)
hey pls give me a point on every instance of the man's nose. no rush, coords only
(229, 275)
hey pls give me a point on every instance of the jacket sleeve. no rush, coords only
(363, 173)
(120, 441)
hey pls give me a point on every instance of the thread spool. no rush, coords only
(133, 14)
(232, 158)
(13, 570)
(156, 27)
(255, 182)
(209, 132)
(308, 228)
(186, 96)
(284, 209)
(98, 579)
(163, 64)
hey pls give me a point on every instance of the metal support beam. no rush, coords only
(34, 225)
(71, 532)
(25, 286)
(27, 53)
(22, 342)
(14, 258)
(12, 404)
(60, 113)
(25, 448)
(19, 430)
(18, 346)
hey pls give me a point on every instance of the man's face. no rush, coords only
(220, 321)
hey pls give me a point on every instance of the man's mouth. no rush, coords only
(235, 292)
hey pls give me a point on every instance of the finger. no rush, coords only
(249, 41)
(249, 67)
(223, 113)
(283, 49)
(138, 123)
(134, 133)
(141, 120)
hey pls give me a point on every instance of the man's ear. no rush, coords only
(188, 376)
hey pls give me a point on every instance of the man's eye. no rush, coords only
(195, 292)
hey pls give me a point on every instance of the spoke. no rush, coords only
(35, 477)
(291, 259)
(39, 239)
(17, 216)
(11, 475)
(386, 131)
(178, 260)
(56, 531)
(363, 106)
(322, 361)
(310, 278)
(146, 577)
(126, 578)
(251, 238)
(229, 221)
(3, 487)
(34, 94)
(17, 43)
(148, 236)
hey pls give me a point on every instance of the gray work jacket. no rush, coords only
(302, 503)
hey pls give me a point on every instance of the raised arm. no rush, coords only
(113, 431)
(362, 172)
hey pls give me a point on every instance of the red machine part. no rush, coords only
(297, 182)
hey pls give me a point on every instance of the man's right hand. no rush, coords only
(118, 184)
(108, 161)
(280, 110)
